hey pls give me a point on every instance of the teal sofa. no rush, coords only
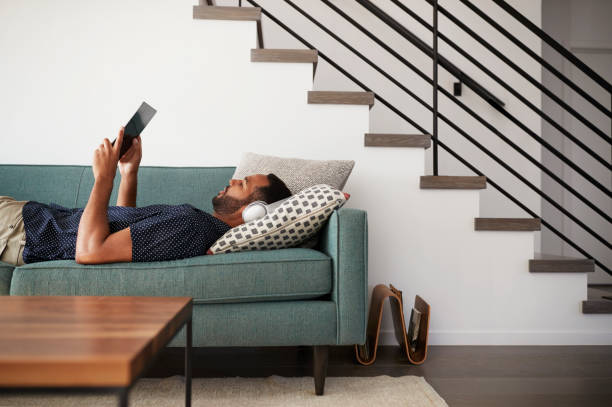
(287, 297)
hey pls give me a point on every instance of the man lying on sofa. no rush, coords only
(123, 233)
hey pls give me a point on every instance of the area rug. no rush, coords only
(255, 392)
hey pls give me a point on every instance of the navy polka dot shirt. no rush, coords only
(159, 232)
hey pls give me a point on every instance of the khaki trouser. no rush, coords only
(12, 231)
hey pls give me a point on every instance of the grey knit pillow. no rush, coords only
(297, 173)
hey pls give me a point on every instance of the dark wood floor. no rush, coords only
(525, 376)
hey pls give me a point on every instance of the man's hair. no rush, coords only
(276, 191)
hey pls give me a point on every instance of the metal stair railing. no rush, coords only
(492, 75)
(440, 115)
(554, 44)
(402, 31)
(525, 101)
(469, 111)
(589, 72)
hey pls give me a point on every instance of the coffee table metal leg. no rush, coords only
(188, 364)
(123, 396)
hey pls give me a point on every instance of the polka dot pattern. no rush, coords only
(158, 232)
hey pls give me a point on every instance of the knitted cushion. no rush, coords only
(296, 173)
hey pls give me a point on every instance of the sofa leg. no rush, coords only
(319, 368)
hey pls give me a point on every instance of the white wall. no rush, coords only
(73, 72)
(584, 28)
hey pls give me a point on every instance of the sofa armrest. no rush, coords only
(345, 240)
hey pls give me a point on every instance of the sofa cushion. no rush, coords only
(274, 275)
(43, 183)
(6, 271)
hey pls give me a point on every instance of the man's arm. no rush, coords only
(127, 190)
(95, 243)
(128, 167)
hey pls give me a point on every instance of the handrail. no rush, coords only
(421, 129)
(446, 64)
(554, 44)
(504, 84)
(472, 113)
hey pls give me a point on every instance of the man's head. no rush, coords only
(231, 201)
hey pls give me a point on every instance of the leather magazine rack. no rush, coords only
(366, 354)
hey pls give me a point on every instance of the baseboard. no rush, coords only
(509, 338)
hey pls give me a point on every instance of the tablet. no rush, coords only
(135, 126)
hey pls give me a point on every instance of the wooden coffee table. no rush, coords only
(87, 343)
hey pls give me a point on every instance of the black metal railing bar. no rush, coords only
(536, 57)
(554, 44)
(435, 87)
(500, 81)
(422, 130)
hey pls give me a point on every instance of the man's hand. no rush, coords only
(106, 158)
(129, 163)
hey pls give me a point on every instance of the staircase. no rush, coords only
(484, 282)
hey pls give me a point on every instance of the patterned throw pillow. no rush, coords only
(293, 222)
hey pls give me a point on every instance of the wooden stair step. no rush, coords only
(340, 98)
(227, 13)
(397, 140)
(548, 263)
(508, 224)
(597, 307)
(284, 55)
(453, 182)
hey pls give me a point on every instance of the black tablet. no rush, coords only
(135, 126)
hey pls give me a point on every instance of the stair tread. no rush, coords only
(550, 263)
(508, 224)
(597, 307)
(453, 182)
(284, 55)
(340, 97)
(397, 140)
(546, 256)
(227, 13)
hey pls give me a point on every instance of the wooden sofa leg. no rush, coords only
(319, 369)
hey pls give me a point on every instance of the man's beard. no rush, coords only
(226, 205)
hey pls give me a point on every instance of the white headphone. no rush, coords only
(259, 209)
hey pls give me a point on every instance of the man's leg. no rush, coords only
(12, 231)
